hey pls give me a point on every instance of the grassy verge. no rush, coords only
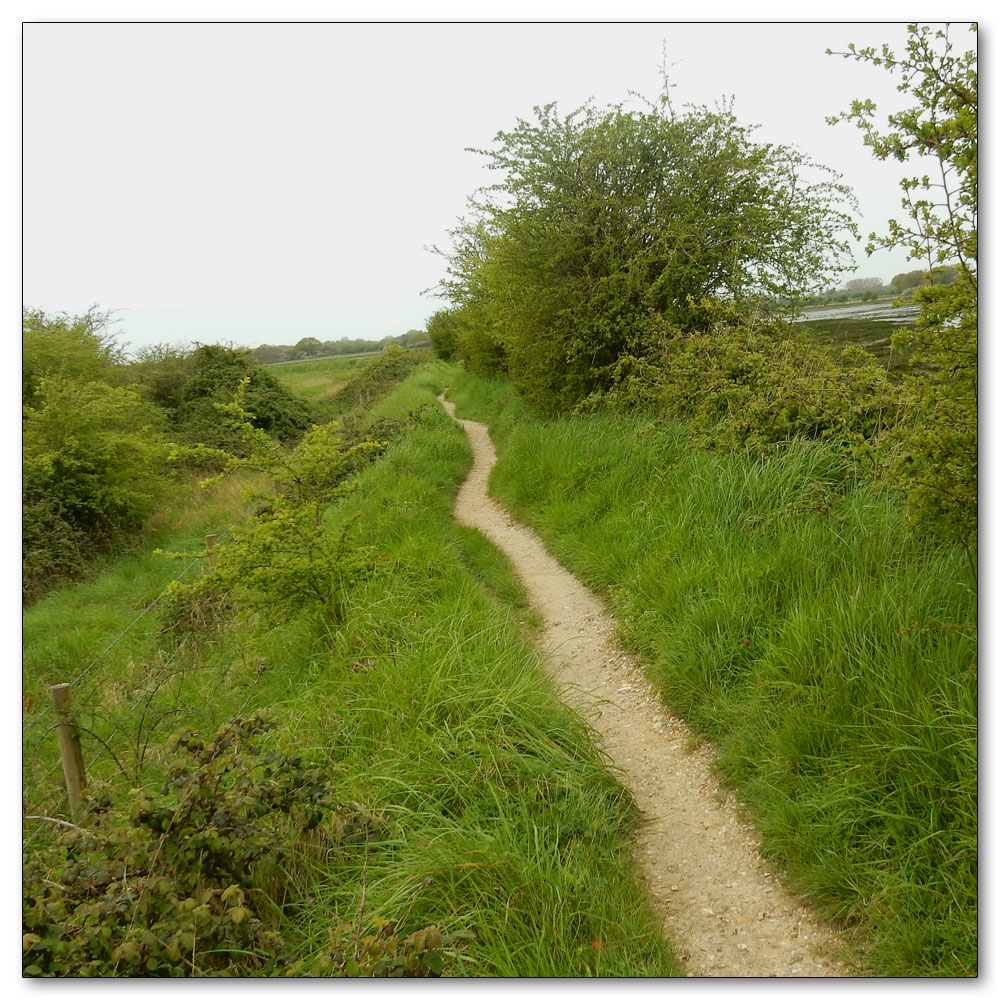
(487, 807)
(787, 614)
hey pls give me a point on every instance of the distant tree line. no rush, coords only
(867, 289)
(313, 347)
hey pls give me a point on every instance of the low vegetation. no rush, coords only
(786, 612)
(421, 803)
(324, 746)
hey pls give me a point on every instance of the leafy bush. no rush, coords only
(752, 387)
(200, 879)
(213, 376)
(172, 889)
(52, 547)
(444, 338)
(69, 347)
(94, 466)
(286, 556)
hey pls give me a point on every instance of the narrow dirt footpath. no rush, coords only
(722, 907)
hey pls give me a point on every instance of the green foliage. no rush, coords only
(196, 881)
(480, 345)
(95, 461)
(308, 346)
(92, 458)
(286, 557)
(159, 374)
(379, 377)
(69, 347)
(443, 335)
(170, 890)
(753, 387)
(944, 275)
(606, 219)
(94, 467)
(214, 374)
(937, 456)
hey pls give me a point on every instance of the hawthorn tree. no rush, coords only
(605, 219)
(937, 456)
(79, 347)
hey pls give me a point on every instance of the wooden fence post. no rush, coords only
(210, 541)
(69, 747)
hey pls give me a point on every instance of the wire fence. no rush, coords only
(41, 768)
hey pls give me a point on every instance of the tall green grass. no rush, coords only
(786, 612)
(104, 635)
(490, 808)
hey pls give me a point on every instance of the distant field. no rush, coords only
(317, 380)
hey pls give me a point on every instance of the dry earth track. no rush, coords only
(726, 912)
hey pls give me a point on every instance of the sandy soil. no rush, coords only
(723, 908)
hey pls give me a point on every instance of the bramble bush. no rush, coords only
(745, 386)
(171, 888)
(201, 879)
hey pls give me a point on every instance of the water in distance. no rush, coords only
(884, 311)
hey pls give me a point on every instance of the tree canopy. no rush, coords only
(604, 219)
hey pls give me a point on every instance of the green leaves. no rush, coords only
(171, 887)
(936, 445)
(286, 557)
(608, 219)
(94, 466)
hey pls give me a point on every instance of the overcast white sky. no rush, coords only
(260, 182)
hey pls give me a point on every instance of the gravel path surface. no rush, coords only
(725, 911)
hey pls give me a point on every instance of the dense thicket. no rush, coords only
(94, 455)
(611, 227)
(96, 430)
